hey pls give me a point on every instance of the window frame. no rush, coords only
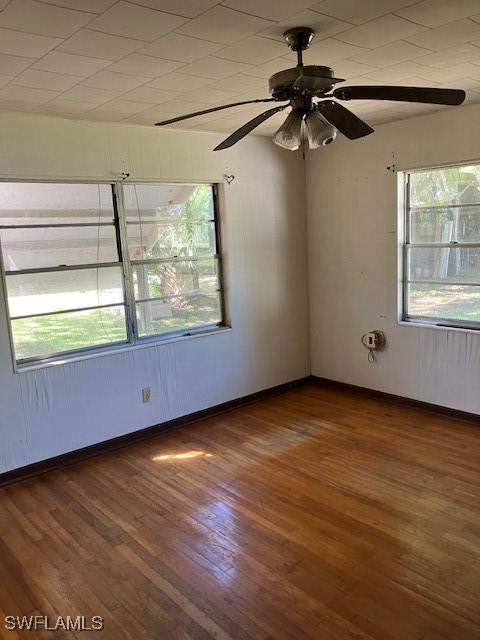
(133, 339)
(404, 244)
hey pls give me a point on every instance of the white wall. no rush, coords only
(352, 239)
(52, 410)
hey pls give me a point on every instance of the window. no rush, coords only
(88, 266)
(441, 249)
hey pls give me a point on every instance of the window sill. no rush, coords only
(109, 351)
(430, 325)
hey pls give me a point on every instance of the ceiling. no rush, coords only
(146, 60)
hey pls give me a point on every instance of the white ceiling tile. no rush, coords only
(324, 26)
(268, 69)
(208, 95)
(452, 73)
(239, 82)
(5, 80)
(381, 31)
(434, 13)
(133, 21)
(220, 125)
(450, 57)
(26, 44)
(17, 105)
(223, 25)
(359, 11)
(42, 19)
(104, 115)
(392, 53)
(448, 35)
(253, 50)
(59, 106)
(26, 94)
(150, 95)
(178, 107)
(114, 81)
(60, 62)
(214, 68)
(99, 45)
(139, 65)
(46, 80)
(415, 82)
(397, 72)
(327, 51)
(89, 94)
(92, 6)
(179, 82)
(186, 8)
(120, 105)
(269, 9)
(12, 65)
(145, 118)
(350, 68)
(175, 46)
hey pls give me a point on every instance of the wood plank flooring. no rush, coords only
(314, 514)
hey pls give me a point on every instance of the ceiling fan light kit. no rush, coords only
(308, 90)
(289, 135)
(319, 131)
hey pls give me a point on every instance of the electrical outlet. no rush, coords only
(146, 394)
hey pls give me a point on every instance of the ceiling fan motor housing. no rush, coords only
(281, 84)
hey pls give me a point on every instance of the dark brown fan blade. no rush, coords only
(200, 113)
(402, 94)
(247, 127)
(344, 120)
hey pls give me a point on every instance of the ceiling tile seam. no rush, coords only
(415, 2)
(417, 24)
(33, 33)
(112, 33)
(218, 44)
(59, 6)
(178, 15)
(135, 75)
(67, 9)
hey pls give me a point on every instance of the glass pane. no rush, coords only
(171, 239)
(168, 202)
(54, 247)
(445, 225)
(48, 335)
(176, 314)
(174, 278)
(48, 203)
(30, 294)
(444, 301)
(454, 264)
(450, 185)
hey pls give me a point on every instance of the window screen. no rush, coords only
(91, 265)
(172, 241)
(441, 253)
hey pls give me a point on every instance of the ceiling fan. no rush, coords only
(319, 120)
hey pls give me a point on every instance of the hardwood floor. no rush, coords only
(314, 514)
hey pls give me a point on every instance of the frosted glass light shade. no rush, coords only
(319, 131)
(289, 135)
